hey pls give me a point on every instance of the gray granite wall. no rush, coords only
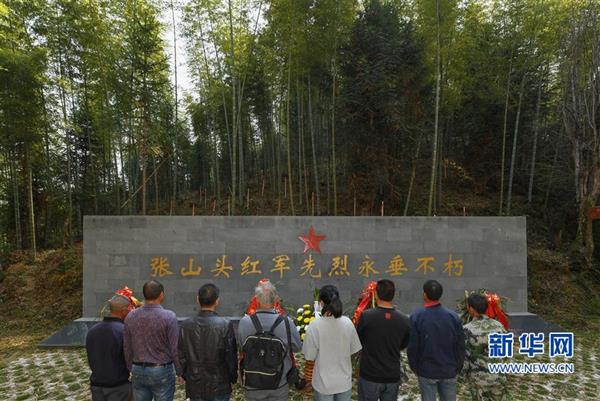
(484, 252)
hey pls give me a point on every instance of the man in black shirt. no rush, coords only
(104, 344)
(383, 332)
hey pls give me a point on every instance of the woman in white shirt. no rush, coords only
(330, 341)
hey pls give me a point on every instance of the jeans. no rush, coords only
(153, 383)
(371, 391)
(446, 388)
(225, 397)
(345, 396)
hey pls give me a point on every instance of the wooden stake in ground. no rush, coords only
(382, 208)
(214, 206)
(193, 209)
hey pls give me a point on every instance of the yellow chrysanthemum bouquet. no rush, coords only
(306, 314)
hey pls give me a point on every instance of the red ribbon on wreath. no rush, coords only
(253, 305)
(494, 309)
(367, 297)
(128, 293)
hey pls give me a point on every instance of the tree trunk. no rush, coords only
(289, 135)
(233, 113)
(29, 172)
(240, 135)
(144, 179)
(437, 112)
(314, 149)
(305, 171)
(514, 146)
(412, 178)
(551, 178)
(175, 127)
(504, 129)
(89, 142)
(534, 150)
(299, 144)
(156, 197)
(17, 203)
(63, 101)
(333, 155)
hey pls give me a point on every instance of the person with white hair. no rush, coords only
(104, 344)
(267, 339)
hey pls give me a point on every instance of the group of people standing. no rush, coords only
(142, 354)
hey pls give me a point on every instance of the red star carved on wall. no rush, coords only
(312, 240)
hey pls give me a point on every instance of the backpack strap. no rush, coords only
(257, 326)
(289, 340)
(275, 324)
(289, 334)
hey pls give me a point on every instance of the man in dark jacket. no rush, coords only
(208, 351)
(104, 345)
(436, 349)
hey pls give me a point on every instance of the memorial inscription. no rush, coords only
(302, 253)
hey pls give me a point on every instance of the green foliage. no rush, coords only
(334, 97)
(383, 93)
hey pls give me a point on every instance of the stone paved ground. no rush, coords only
(61, 375)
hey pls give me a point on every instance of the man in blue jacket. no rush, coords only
(104, 344)
(436, 348)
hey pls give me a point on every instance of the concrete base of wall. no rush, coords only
(73, 335)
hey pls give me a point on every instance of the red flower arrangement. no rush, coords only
(128, 293)
(253, 304)
(494, 309)
(365, 301)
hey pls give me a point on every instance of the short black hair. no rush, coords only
(386, 290)
(152, 290)
(208, 294)
(433, 289)
(478, 302)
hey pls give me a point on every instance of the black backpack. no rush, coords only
(264, 354)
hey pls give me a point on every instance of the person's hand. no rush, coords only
(307, 390)
(180, 380)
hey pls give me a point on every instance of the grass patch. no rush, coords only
(69, 378)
